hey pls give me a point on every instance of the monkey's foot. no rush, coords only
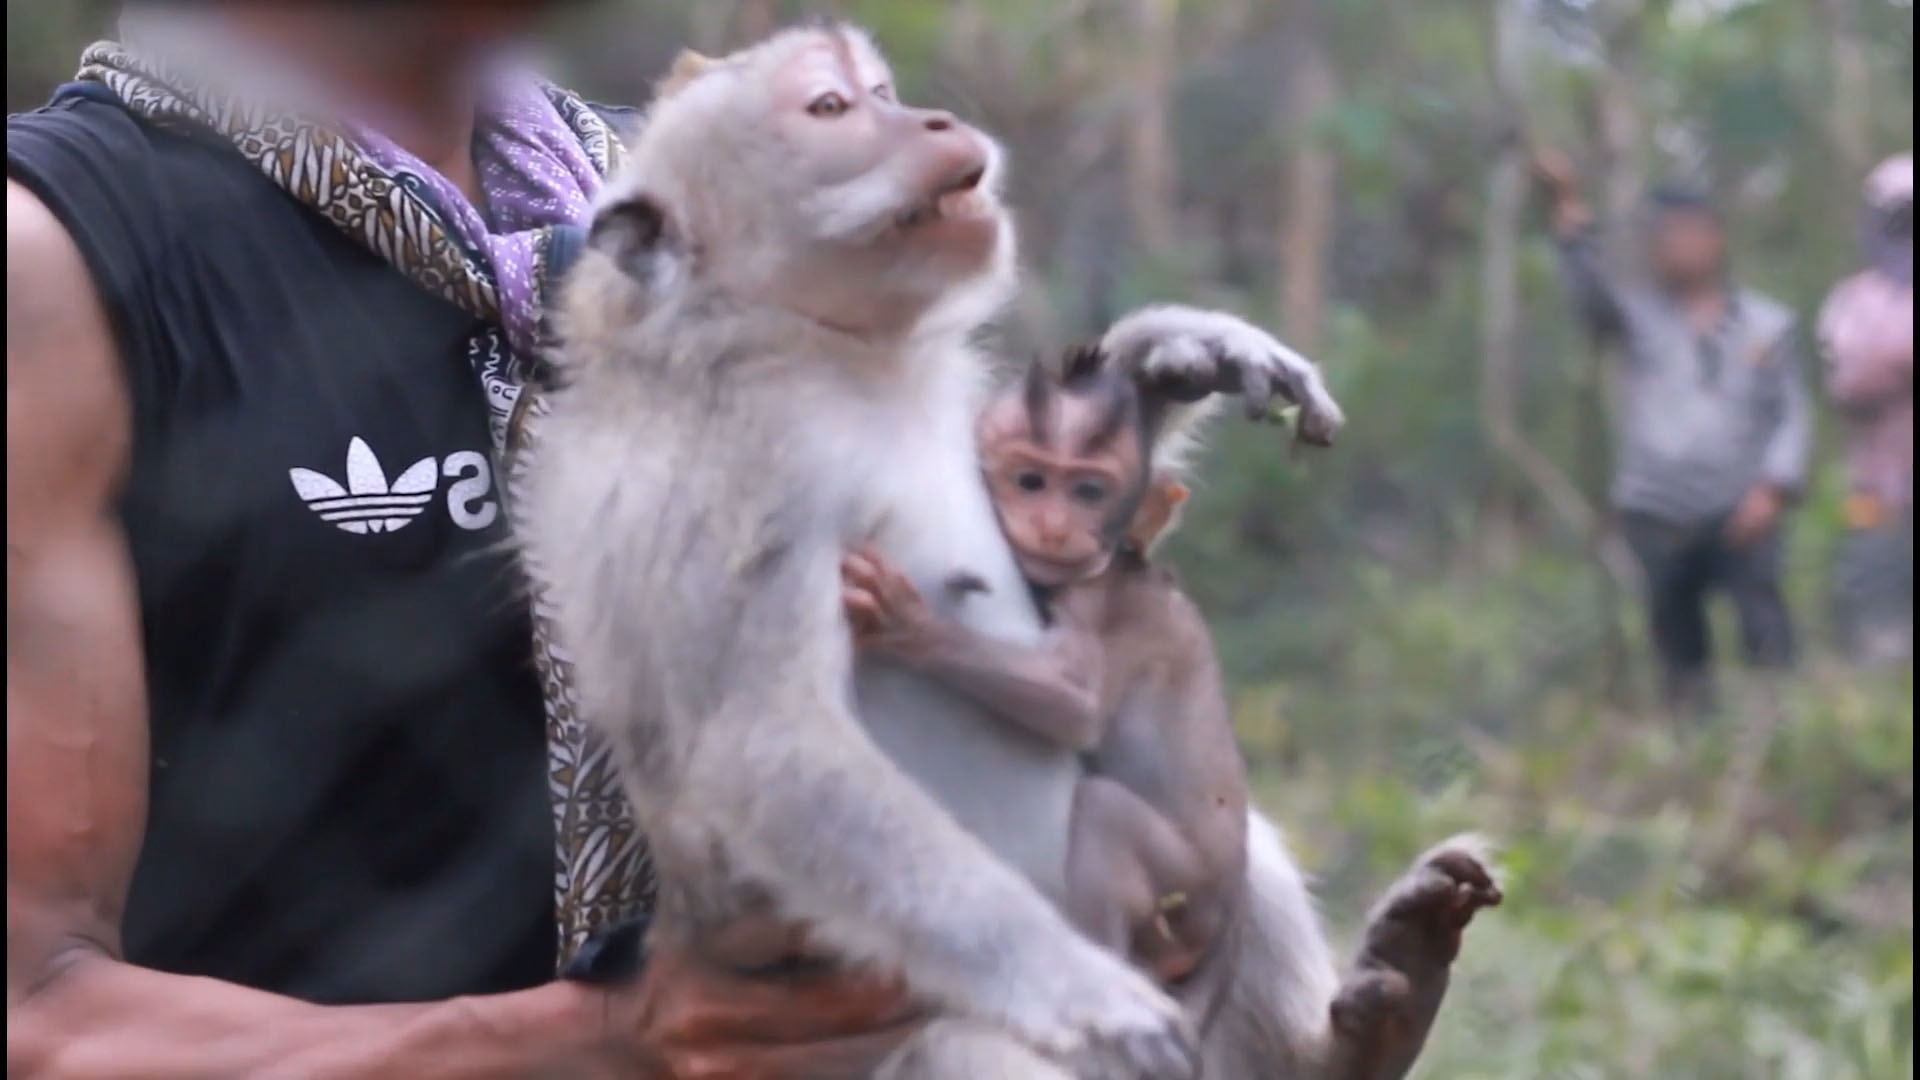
(1383, 1012)
(1090, 1010)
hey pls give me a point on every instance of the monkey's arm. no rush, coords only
(1182, 357)
(77, 759)
(1048, 690)
(1042, 689)
(727, 668)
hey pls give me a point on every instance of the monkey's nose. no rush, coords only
(939, 120)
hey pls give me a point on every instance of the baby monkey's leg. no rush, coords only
(1129, 869)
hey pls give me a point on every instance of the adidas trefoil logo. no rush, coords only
(368, 504)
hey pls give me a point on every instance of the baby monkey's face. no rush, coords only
(1065, 472)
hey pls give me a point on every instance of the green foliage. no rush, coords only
(1619, 953)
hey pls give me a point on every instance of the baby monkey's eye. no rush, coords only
(827, 105)
(1089, 492)
(883, 92)
(1031, 481)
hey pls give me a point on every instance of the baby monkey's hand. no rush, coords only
(888, 615)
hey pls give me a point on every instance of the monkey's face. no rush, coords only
(897, 198)
(1065, 473)
(789, 173)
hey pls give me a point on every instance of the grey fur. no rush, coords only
(688, 493)
(1200, 355)
(710, 454)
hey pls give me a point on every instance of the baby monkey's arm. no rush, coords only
(1048, 690)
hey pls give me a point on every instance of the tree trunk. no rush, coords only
(1150, 166)
(754, 20)
(1306, 217)
(1623, 177)
(1849, 119)
(710, 24)
(1506, 202)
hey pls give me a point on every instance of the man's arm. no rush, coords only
(1783, 466)
(1783, 460)
(1596, 297)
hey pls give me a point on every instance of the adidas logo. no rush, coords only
(368, 504)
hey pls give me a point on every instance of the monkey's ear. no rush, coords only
(1159, 511)
(688, 66)
(638, 234)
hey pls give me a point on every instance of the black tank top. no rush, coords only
(349, 793)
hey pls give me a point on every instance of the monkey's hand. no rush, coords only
(1384, 1010)
(1186, 354)
(888, 615)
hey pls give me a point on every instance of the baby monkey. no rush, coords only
(1126, 674)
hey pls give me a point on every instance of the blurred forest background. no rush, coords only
(1429, 627)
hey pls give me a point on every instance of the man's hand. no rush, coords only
(1755, 516)
(693, 1016)
(1555, 174)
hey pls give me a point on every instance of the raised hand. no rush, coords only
(1187, 353)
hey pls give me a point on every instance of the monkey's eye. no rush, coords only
(883, 92)
(828, 106)
(1031, 481)
(1089, 492)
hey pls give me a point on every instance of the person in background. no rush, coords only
(1714, 424)
(1866, 340)
(278, 785)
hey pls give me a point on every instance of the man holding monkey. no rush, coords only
(278, 786)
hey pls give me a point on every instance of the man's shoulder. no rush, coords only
(79, 110)
(85, 137)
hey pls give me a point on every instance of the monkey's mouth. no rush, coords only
(961, 200)
(1052, 572)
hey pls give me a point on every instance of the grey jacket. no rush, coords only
(1700, 419)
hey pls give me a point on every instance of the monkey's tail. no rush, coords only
(1274, 1017)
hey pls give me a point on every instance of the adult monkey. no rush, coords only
(778, 298)
(277, 801)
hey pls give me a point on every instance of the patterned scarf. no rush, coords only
(541, 153)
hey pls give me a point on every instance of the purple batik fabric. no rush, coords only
(534, 173)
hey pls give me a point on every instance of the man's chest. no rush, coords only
(331, 445)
